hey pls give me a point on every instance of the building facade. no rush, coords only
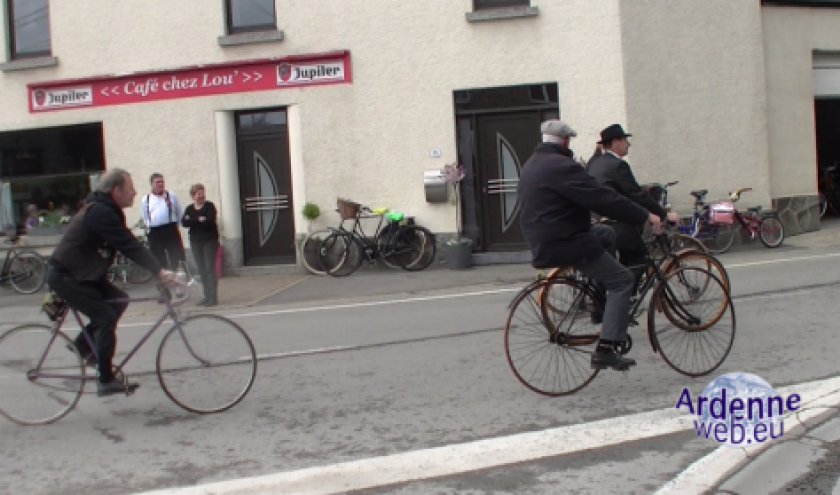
(275, 103)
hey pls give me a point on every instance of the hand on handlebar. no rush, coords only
(167, 277)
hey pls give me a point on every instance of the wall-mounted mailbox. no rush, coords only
(435, 186)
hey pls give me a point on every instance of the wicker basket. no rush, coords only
(348, 210)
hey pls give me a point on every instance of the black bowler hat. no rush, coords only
(614, 131)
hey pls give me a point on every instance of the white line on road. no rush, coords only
(472, 456)
(452, 296)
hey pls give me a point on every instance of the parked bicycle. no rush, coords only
(399, 243)
(829, 191)
(549, 338)
(24, 269)
(755, 222)
(43, 375)
(127, 271)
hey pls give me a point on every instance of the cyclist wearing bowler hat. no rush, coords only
(556, 196)
(611, 170)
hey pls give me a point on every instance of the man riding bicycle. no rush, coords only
(556, 196)
(79, 265)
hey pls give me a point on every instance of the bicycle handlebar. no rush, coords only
(166, 294)
(735, 196)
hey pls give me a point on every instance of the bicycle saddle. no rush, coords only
(699, 194)
(754, 208)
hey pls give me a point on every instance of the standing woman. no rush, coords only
(200, 219)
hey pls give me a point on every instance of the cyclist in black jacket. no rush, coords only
(79, 265)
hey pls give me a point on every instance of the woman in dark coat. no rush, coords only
(200, 218)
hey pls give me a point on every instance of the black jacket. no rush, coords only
(614, 172)
(94, 236)
(205, 231)
(556, 196)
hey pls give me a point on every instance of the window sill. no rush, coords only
(502, 13)
(251, 38)
(29, 63)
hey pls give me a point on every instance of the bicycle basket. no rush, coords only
(722, 213)
(348, 210)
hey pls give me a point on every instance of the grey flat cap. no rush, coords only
(557, 128)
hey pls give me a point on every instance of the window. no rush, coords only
(52, 168)
(250, 15)
(29, 28)
(497, 4)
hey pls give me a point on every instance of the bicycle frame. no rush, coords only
(371, 250)
(170, 312)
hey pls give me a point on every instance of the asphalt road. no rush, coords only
(368, 379)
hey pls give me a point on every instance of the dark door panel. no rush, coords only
(505, 142)
(266, 191)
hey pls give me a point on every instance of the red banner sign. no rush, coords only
(238, 77)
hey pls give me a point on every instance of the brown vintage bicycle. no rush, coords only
(550, 338)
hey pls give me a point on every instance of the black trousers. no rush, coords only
(204, 253)
(90, 299)
(631, 250)
(167, 238)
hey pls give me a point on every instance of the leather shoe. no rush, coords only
(602, 360)
(115, 387)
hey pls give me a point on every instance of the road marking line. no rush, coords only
(471, 456)
(448, 296)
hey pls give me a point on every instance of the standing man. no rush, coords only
(611, 170)
(556, 196)
(162, 214)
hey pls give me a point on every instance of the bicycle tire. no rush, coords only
(762, 231)
(426, 252)
(138, 275)
(310, 251)
(725, 237)
(12, 362)
(238, 337)
(550, 337)
(38, 274)
(351, 257)
(332, 253)
(695, 332)
(709, 260)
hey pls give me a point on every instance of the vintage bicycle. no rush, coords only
(397, 242)
(549, 337)
(205, 363)
(24, 269)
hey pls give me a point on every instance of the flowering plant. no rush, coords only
(453, 173)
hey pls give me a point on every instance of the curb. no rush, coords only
(726, 461)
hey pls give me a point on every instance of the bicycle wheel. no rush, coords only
(33, 395)
(771, 232)
(138, 275)
(692, 334)
(682, 242)
(27, 272)
(699, 260)
(310, 251)
(549, 349)
(207, 364)
(414, 248)
(341, 254)
(717, 238)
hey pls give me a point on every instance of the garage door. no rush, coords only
(826, 74)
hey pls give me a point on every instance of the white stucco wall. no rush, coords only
(790, 37)
(369, 140)
(694, 76)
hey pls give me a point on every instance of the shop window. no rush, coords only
(497, 4)
(53, 169)
(250, 15)
(29, 28)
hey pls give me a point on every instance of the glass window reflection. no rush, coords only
(31, 27)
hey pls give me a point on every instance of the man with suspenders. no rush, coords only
(162, 214)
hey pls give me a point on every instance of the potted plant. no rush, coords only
(459, 248)
(311, 212)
